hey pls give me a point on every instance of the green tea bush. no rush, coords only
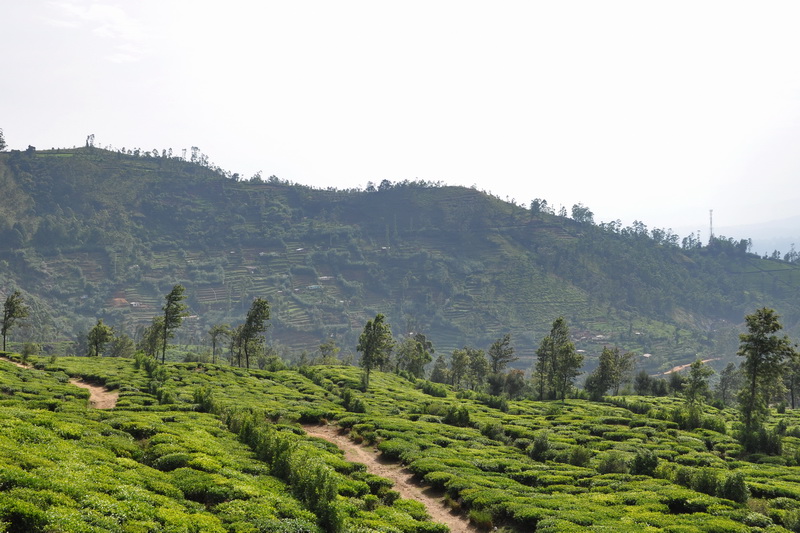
(733, 487)
(612, 462)
(396, 449)
(457, 416)
(432, 389)
(541, 447)
(644, 463)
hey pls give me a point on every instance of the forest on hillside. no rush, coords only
(90, 233)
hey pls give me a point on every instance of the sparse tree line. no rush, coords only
(768, 375)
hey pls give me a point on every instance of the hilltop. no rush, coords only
(89, 233)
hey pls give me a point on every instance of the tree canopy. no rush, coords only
(765, 356)
(13, 309)
(174, 313)
(375, 344)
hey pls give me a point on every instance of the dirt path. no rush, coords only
(99, 397)
(684, 367)
(403, 479)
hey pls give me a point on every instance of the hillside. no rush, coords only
(200, 447)
(87, 233)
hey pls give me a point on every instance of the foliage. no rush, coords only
(98, 337)
(14, 308)
(375, 345)
(765, 355)
(614, 369)
(87, 229)
(249, 335)
(558, 363)
(174, 313)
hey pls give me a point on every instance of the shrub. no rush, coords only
(540, 449)
(494, 431)
(644, 463)
(172, 461)
(612, 462)
(734, 488)
(482, 519)
(705, 481)
(457, 416)
(580, 456)
(433, 389)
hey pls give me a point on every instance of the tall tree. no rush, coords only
(459, 366)
(375, 344)
(439, 372)
(730, 379)
(696, 388)
(543, 368)
(2, 141)
(567, 361)
(13, 309)
(254, 325)
(150, 340)
(121, 346)
(329, 352)
(217, 332)
(765, 356)
(412, 356)
(614, 368)
(100, 335)
(501, 353)
(478, 368)
(174, 313)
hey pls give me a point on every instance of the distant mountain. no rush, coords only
(88, 233)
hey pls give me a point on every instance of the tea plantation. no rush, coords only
(194, 447)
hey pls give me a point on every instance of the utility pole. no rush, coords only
(710, 225)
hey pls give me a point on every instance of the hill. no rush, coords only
(87, 233)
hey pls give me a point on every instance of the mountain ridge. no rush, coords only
(89, 233)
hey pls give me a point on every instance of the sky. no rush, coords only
(640, 110)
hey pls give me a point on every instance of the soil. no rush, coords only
(403, 479)
(99, 397)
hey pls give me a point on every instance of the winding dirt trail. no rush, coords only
(99, 397)
(403, 479)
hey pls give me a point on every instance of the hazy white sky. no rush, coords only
(641, 110)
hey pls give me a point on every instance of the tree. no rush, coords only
(478, 367)
(151, 337)
(558, 363)
(582, 214)
(121, 346)
(459, 366)
(375, 344)
(329, 352)
(613, 369)
(3, 144)
(643, 384)
(501, 353)
(765, 356)
(696, 388)
(412, 356)
(254, 325)
(730, 379)
(13, 310)
(100, 335)
(440, 373)
(216, 332)
(174, 313)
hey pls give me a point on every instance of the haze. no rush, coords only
(644, 111)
